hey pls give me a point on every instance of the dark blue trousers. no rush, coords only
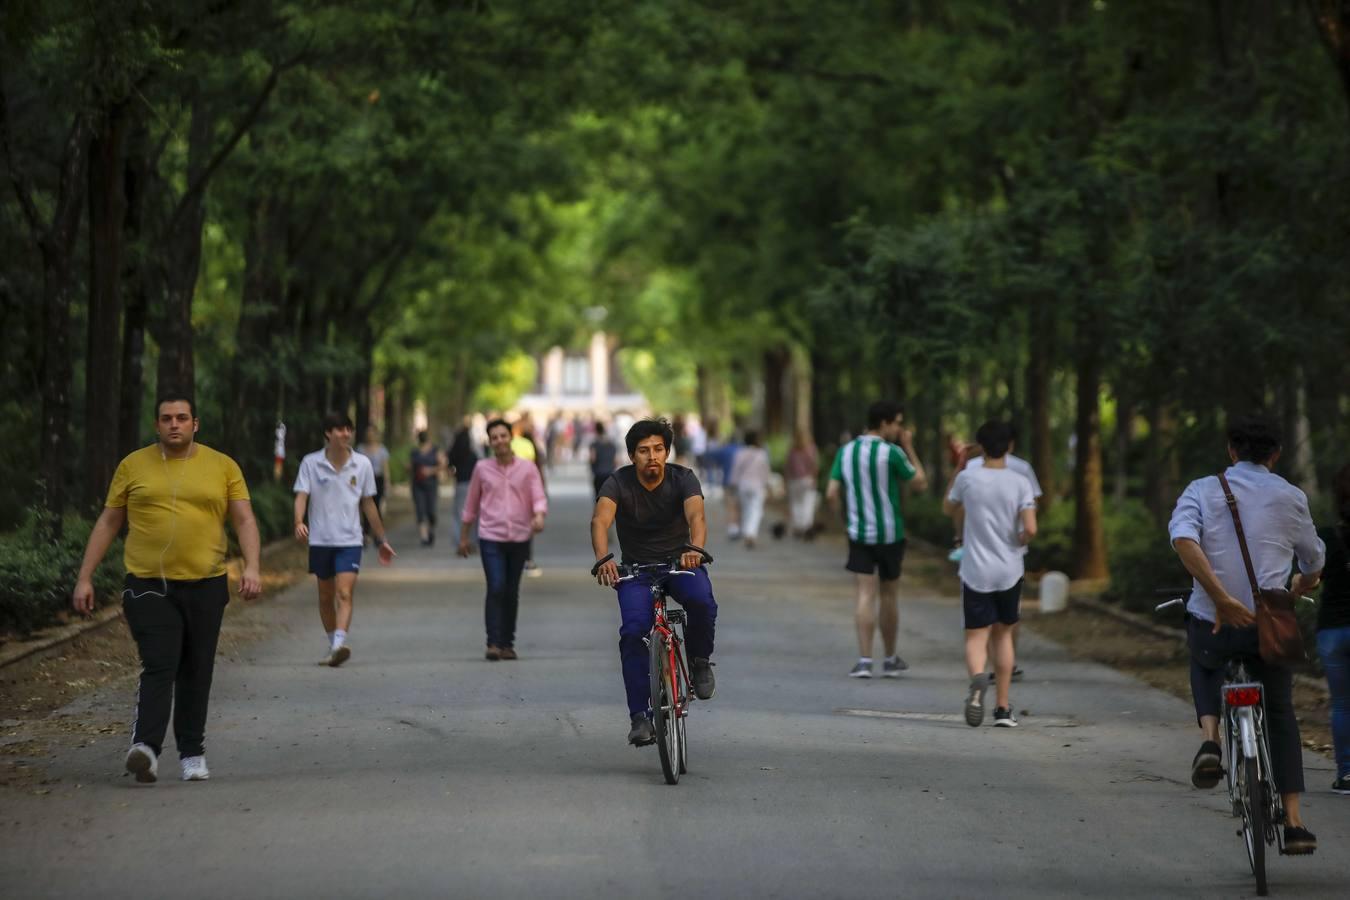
(635, 607)
(503, 561)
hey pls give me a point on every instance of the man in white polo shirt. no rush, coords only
(999, 518)
(335, 486)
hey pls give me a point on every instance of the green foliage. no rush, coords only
(37, 575)
(273, 507)
(1142, 559)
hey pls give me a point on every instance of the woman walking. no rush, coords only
(803, 472)
(426, 469)
(751, 473)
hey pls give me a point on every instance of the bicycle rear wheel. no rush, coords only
(663, 709)
(1254, 821)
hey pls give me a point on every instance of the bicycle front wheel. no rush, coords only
(1254, 821)
(663, 710)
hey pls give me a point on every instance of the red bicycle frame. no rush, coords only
(674, 656)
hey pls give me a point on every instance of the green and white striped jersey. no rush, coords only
(871, 470)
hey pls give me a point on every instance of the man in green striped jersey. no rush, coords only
(868, 472)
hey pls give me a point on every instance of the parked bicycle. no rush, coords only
(1251, 789)
(671, 694)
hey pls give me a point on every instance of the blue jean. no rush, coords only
(503, 561)
(1333, 645)
(635, 608)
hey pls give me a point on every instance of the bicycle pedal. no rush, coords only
(675, 616)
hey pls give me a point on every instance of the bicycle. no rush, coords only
(1251, 790)
(671, 693)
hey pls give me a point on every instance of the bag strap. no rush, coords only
(1242, 538)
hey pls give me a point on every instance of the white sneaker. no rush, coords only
(338, 655)
(194, 768)
(143, 763)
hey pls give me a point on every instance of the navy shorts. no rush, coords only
(326, 562)
(883, 559)
(984, 609)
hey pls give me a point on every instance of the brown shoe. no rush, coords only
(493, 653)
(508, 653)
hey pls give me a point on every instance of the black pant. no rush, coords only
(176, 635)
(1209, 653)
(425, 494)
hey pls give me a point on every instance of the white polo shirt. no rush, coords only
(335, 498)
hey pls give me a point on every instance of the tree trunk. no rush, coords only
(177, 367)
(1089, 540)
(1161, 467)
(775, 405)
(107, 218)
(1040, 440)
(802, 387)
(1124, 438)
(135, 291)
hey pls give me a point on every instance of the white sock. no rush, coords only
(330, 639)
(339, 638)
(864, 660)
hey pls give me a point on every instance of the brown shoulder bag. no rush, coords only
(1276, 623)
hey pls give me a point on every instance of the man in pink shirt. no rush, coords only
(506, 496)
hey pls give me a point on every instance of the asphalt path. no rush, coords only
(421, 770)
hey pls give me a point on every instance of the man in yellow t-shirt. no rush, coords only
(174, 496)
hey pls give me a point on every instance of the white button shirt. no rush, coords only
(335, 498)
(1275, 519)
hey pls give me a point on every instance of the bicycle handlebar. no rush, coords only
(670, 565)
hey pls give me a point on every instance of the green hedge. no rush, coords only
(273, 507)
(37, 575)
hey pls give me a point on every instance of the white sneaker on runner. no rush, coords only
(338, 655)
(194, 768)
(143, 763)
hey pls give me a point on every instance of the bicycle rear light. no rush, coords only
(1244, 695)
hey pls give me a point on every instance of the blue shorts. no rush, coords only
(326, 562)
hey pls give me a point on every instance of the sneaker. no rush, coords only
(1341, 785)
(507, 653)
(892, 666)
(642, 733)
(143, 763)
(1299, 841)
(1003, 718)
(194, 768)
(337, 656)
(1207, 767)
(975, 701)
(532, 569)
(861, 670)
(492, 654)
(1016, 675)
(705, 683)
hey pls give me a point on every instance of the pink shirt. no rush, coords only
(504, 499)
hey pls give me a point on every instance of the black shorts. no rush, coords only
(884, 559)
(984, 609)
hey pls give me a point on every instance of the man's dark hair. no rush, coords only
(883, 411)
(422, 436)
(599, 428)
(752, 438)
(1254, 438)
(1340, 486)
(336, 420)
(995, 437)
(645, 428)
(176, 397)
(499, 423)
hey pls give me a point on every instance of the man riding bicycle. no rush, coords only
(1220, 615)
(658, 508)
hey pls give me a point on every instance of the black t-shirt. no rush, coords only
(651, 524)
(1333, 607)
(605, 454)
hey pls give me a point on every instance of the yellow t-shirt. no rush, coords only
(176, 511)
(523, 447)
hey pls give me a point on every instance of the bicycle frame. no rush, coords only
(663, 630)
(1245, 736)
